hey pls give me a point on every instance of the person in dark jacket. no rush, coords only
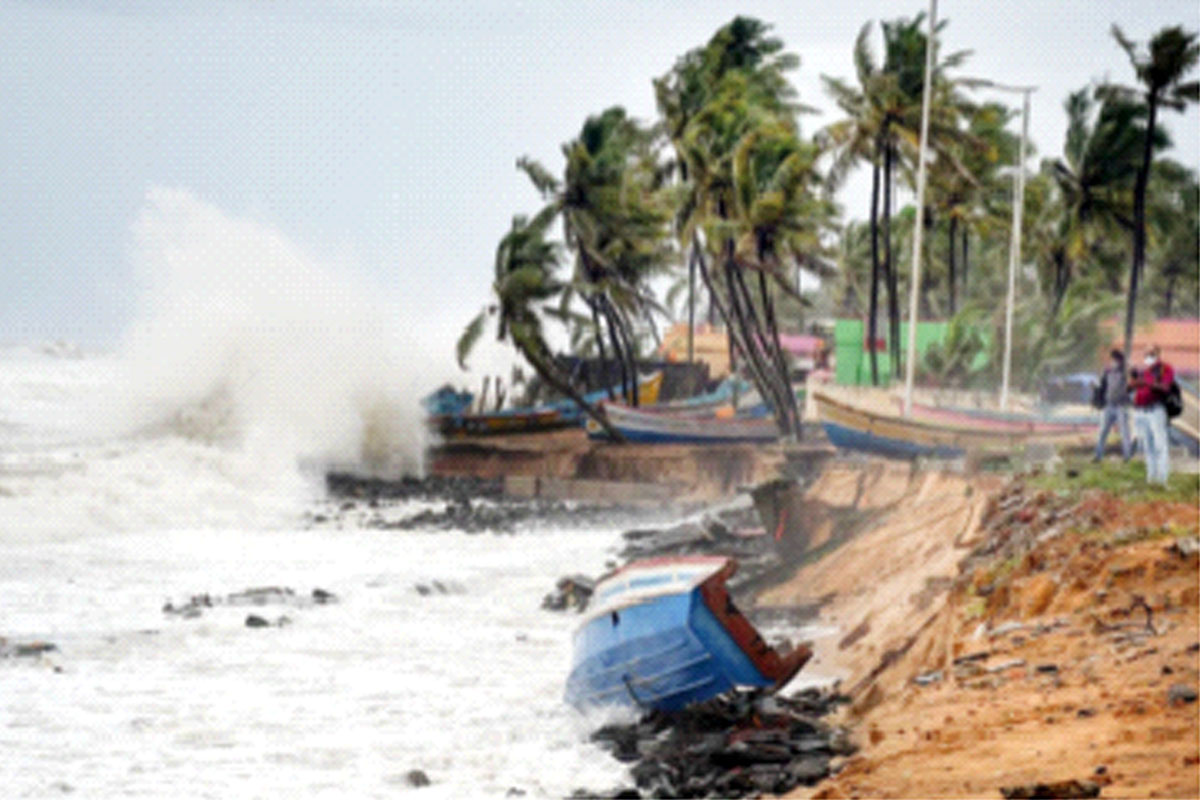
(1113, 392)
(1150, 386)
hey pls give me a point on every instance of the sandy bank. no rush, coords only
(1033, 662)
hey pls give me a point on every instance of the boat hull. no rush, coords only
(666, 635)
(659, 427)
(952, 435)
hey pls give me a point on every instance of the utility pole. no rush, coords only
(915, 280)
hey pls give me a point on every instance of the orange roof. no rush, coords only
(1178, 339)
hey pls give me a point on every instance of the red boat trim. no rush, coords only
(766, 659)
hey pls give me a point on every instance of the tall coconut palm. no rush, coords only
(524, 288)
(882, 126)
(729, 114)
(616, 225)
(1093, 181)
(1161, 70)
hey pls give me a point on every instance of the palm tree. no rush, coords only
(882, 126)
(1092, 181)
(743, 178)
(524, 287)
(615, 223)
(1171, 55)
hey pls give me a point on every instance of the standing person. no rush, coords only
(1150, 387)
(1113, 398)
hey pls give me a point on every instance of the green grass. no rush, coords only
(1127, 481)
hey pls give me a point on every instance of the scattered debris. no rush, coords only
(1181, 694)
(572, 591)
(732, 746)
(1065, 790)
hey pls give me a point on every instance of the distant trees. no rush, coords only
(723, 191)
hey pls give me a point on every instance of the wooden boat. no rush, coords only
(663, 427)
(537, 419)
(664, 633)
(941, 435)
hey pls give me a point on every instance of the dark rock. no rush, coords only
(322, 597)
(416, 777)
(1065, 790)
(1047, 668)
(255, 621)
(1181, 694)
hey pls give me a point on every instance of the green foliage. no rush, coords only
(959, 360)
(1124, 480)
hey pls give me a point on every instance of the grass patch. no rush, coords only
(1127, 481)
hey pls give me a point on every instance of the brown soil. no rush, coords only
(1049, 661)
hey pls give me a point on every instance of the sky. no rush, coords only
(382, 137)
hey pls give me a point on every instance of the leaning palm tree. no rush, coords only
(525, 288)
(616, 225)
(1171, 55)
(725, 106)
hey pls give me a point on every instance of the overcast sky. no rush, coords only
(383, 136)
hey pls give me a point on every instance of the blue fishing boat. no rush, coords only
(656, 426)
(663, 633)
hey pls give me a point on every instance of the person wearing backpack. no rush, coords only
(1152, 387)
(1111, 396)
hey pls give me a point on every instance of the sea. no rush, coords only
(99, 532)
(187, 458)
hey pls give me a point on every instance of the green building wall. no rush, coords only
(854, 362)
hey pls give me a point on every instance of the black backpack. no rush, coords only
(1099, 390)
(1173, 401)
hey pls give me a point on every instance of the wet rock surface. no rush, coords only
(474, 505)
(734, 746)
(734, 532)
(197, 605)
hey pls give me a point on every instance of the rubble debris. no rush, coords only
(571, 591)
(1181, 694)
(1065, 790)
(733, 746)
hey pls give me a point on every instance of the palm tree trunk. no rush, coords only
(953, 277)
(542, 361)
(893, 299)
(618, 350)
(754, 339)
(727, 317)
(691, 340)
(966, 238)
(1139, 221)
(873, 307)
(780, 361)
(623, 331)
(604, 370)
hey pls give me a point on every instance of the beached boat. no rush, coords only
(681, 427)
(942, 433)
(537, 419)
(664, 633)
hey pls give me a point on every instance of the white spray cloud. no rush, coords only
(243, 338)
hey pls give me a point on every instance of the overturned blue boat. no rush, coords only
(664, 633)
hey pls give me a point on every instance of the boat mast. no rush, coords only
(915, 280)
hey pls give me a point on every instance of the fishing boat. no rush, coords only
(941, 434)
(663, 633)
(552, 416)
(663, 427)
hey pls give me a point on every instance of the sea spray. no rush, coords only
(244, 337)
(250, 368)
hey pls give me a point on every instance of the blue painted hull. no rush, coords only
(665, 653)
(850, 439)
